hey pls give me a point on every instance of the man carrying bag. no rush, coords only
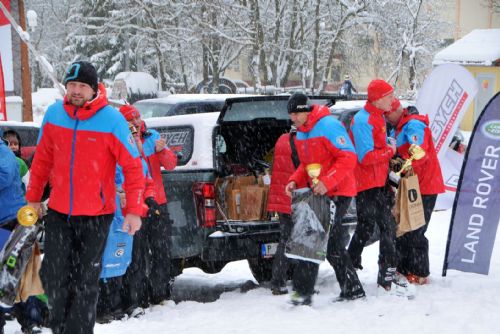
(412, 130)
(327, 162)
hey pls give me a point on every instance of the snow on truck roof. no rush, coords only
(480, 47)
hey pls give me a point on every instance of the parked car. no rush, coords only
(28, 131)
(181, 104)
(212, 146)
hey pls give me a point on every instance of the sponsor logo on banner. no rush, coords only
(491, 129)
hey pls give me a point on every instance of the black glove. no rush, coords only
(396, 164)
(154, 207)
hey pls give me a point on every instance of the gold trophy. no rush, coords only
(313, 170)
(416, 153)
(27, 216)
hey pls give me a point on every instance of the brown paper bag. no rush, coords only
(409, 209)
(30, 284)
(252, 199)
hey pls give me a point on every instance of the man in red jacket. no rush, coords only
(323, 139)
(81, 140)
(374, 200)
(157, 232)
(413, 247)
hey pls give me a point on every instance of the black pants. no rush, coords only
(70, 269)
(147, 279)
(110, 299)
(280, 262)
(157, 256)
(373, 207)
(413, 247)
(306, 272)
(337, 255)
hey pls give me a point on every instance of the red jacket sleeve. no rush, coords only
(167, 158)
(150, 188)
(127, 156)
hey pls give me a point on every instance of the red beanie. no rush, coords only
(377, 89)
(394, 106)
(129, 112)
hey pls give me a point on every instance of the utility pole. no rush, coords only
(25, 70)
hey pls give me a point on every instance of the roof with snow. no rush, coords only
(480, 47)
(138, 82)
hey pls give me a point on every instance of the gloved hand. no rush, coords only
(396, 164)
(154, 207)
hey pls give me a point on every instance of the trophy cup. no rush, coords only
(416, 153)
(313, 170)
(27, 216)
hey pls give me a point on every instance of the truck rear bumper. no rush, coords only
(238, 241)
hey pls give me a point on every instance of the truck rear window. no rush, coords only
(180, 141)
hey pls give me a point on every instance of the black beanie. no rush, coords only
(298, 102)
(82, 71)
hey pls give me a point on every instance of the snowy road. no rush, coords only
(458, 303)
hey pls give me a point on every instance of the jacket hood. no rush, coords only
(317, 113)
(405, 118)
(90, 108)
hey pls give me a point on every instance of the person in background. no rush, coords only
(15, 145)
(323, 139)
(413, 247)
(285, 162)
(81, 141)
(157, 231)
(11, 195)
(347, 87)
(373, 202)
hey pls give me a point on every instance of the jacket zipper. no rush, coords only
(73, 144)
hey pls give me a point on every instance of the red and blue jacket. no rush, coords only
(368, 132)
(324, 140)
(414, 129)
(156, 160)
(77, 152)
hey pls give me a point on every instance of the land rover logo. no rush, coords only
(119, 252)
(491, 129)
(412, 195)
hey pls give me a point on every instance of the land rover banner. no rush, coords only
(476, 210)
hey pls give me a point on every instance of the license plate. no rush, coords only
(268, 250)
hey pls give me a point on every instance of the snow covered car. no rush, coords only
(213, 147)
(28, 131)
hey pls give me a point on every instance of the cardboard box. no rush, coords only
(233, 202)
(252, 200)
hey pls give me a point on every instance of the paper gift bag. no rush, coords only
(409, 209)
(31, 285)
(252, 201)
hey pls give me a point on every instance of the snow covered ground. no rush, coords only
(458, 303)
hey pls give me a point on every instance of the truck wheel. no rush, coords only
(176, 267)
(212, 267)
(262, 269)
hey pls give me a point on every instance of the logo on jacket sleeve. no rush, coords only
(131, 140)
(341, 140)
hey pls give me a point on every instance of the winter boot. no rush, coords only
(297, 299)
(279, 290)
(360, 294)
(418, 280)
